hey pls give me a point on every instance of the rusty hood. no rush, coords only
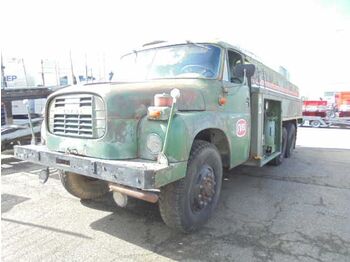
(126, 104)
(130, 100)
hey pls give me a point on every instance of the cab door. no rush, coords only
(237, 108)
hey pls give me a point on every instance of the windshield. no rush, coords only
(179, 61)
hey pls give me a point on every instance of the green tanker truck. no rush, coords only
(164, 129)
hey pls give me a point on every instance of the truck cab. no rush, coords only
(164, 128)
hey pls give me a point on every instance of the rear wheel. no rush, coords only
(315, 123)
(279, 159)
(83, 187)
(291, 140)
(188, 203)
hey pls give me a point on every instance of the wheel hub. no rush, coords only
(204, 189)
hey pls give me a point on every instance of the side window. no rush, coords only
(234, 59)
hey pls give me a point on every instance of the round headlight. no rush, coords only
(154, 143)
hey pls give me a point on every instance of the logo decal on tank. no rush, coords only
(241, 128)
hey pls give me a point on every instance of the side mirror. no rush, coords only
(249, 70)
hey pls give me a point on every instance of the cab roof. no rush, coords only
(218, 42)
(161, 43)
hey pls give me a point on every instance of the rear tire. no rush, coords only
(291, 140)
(83, 187)
(279, 159)
(315, 123)
(188, 203)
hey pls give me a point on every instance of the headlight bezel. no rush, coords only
(154, 143)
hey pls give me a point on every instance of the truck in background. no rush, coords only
(343, 104)
(333, 111)
(177, 114)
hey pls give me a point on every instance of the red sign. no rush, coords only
(241, 127)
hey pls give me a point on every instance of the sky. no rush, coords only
(311, 38)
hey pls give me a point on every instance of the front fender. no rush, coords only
(179, 143)
(185, 127)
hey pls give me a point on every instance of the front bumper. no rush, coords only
(136, 173)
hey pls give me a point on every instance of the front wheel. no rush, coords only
(188, 203)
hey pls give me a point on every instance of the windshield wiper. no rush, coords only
(196, 44)
(154, 43)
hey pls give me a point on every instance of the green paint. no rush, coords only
(175, 172)
(198, 114)
(165, 143)
(119, 142)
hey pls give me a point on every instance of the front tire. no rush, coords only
(188, 203)
(83, 187)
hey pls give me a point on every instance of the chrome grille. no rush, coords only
(83, 101)
(77, 116)
(73, 124)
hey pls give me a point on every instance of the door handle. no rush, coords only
(247, 101)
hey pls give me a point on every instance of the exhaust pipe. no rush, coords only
(120, 193)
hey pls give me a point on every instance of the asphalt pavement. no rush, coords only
(299, 211)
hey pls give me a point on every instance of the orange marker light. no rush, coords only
(222, 100)
(155, 114)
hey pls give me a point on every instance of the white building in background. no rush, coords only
(29, 73)
(20, 74)
(16, 74)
